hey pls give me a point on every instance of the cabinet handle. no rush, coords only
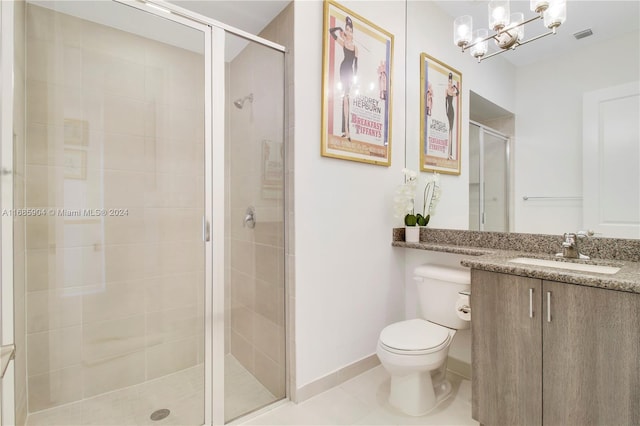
(548, 306)
(530, 303)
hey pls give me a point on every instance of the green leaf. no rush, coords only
(422, 221)
(426, 220)
(410, 220)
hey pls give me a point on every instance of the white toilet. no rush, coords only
(414, 351)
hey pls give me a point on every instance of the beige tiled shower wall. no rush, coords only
(114, 121)
(257, 332)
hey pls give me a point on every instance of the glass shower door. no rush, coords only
(488, 180)
(254, 230)
(115, 261)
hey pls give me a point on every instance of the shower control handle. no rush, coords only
(250, 218)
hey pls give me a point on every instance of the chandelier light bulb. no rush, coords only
(517, 18)
(508, 28)
(556, 13)
(480, 47)
(498, 14)
(462, 28)
(539, 6)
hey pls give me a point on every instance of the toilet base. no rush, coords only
(417, 394)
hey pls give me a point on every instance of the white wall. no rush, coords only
(549, 129)
(348, 277)
(350, 282)
(430, 31)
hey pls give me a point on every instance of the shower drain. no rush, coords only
(159, 414)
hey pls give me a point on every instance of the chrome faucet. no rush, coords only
(570, 248)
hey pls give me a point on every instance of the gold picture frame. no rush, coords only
(357, 70)
(440, 116)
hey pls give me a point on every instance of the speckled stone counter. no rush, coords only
(491, 251)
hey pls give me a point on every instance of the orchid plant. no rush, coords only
(404, 200)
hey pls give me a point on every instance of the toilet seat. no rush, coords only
(414, 337)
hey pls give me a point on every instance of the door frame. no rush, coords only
(592, 156)
(7, 397)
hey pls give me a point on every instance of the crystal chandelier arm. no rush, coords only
(552, 32)
(504, 30)
(482, 58)
(535, 18)
(508, 28)
(467, 46)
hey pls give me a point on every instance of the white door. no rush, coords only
(611, 161)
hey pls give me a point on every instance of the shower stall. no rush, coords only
(143, 229)
(489, 178)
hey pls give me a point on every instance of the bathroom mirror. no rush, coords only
(551, 82)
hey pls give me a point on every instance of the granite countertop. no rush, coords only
(491, 251)
(626, 279)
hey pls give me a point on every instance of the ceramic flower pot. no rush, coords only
(412, 234)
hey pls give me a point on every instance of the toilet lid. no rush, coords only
(414, 335)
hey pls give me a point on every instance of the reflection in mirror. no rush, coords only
(489, 197)
(543, 86)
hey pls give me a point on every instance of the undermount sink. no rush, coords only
(585, 267)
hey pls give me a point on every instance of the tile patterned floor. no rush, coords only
(359, 401)
(363, 401)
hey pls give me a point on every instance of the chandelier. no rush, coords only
(508, 27)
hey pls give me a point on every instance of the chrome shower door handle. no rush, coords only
(206, 231)
(250, 218)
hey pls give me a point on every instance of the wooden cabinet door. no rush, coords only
(506, 356)
(591, 356)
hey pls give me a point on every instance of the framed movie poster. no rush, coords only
(356, 87)
(440, 112)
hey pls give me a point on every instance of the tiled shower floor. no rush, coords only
(181, 393)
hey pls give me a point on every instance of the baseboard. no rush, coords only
(340, 376)
(336, 378)
(458, 367)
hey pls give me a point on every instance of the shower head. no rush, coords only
(239, 103)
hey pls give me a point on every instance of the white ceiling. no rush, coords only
(607, 19)
(251, 16)
(248, 15)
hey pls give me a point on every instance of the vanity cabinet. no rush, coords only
(550, 353)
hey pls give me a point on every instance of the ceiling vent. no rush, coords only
(583, 34)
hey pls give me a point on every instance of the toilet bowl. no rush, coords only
(414, 352)
(416, 366)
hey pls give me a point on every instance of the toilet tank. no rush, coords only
(438, 288)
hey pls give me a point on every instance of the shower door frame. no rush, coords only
(213, 226)
(7, 400)
(507, 187)
(213, 221)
